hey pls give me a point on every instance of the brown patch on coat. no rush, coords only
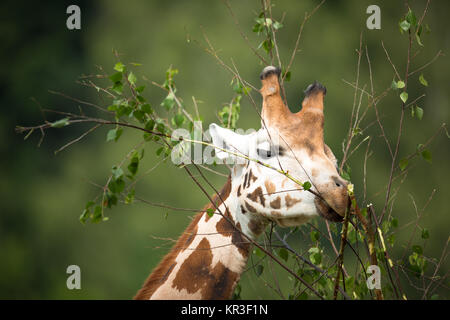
(243, 210)
(270, 187)
(276, 204)
(252, 177)
(256, 226)
(291, 201)
(194, 272)
(223, 281)
(257, 193)
(163, 270)
(275, 213)
(245, 181)
(239, 191)
(227, 228)
(165, 267)
(249, 207)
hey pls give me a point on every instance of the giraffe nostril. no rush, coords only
(339, 182)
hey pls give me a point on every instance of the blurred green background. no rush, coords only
(42, 195)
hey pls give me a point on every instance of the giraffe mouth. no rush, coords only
(326, 212)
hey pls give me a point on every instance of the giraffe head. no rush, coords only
(292, 142)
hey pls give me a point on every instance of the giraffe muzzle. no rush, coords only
(326, 212)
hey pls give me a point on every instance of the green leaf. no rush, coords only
(116, 185)
(118, 87)
(306, 185)
(60, 123)
(287, 76)
(246, 90)
(150, 124)
(411, 18)
(315, 255)
(417, 249)
(258, 252)
(315, 235)
(346, 175)
(277, 25)
(140, 89)
(159, 151)
(119, 67)
(267, 45)
(404, 96)
(419, 41)
(400, 84)
(117, 172)
(394, 222)
(425, 233)
(146, 108)
(179, 119)
(134, 164)
(403, 164)
(132, 78)
(391, 239)
(111, 200)
(426, 155)
(416, 110)
(423, 80)
(85, 216)
(259, 270)
(404, 25)
(210, 212)
(394, 85)
(130, 197)
(89, 204)
(140, 98)
(116, 77)
(97, 216)
(114, 134)
(169, 101)
(284, 254)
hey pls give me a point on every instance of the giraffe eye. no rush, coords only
(265, 154)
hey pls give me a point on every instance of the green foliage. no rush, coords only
(259, 270)
(210, 212)
(284, 254)
(426, 155)
(60, 123)
(403, 164)
(315, 255)
(404, 96)
(267, 27)
(114, 134)
(422, 80)
(306, 185)
(229, 115)
(417, 111)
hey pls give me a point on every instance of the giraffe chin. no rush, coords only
(326, 212)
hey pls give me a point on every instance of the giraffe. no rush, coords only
(207, 260)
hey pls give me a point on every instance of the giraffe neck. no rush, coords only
(207, 260)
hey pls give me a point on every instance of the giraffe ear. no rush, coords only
(226, 140)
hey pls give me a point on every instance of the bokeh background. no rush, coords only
(42, 195)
